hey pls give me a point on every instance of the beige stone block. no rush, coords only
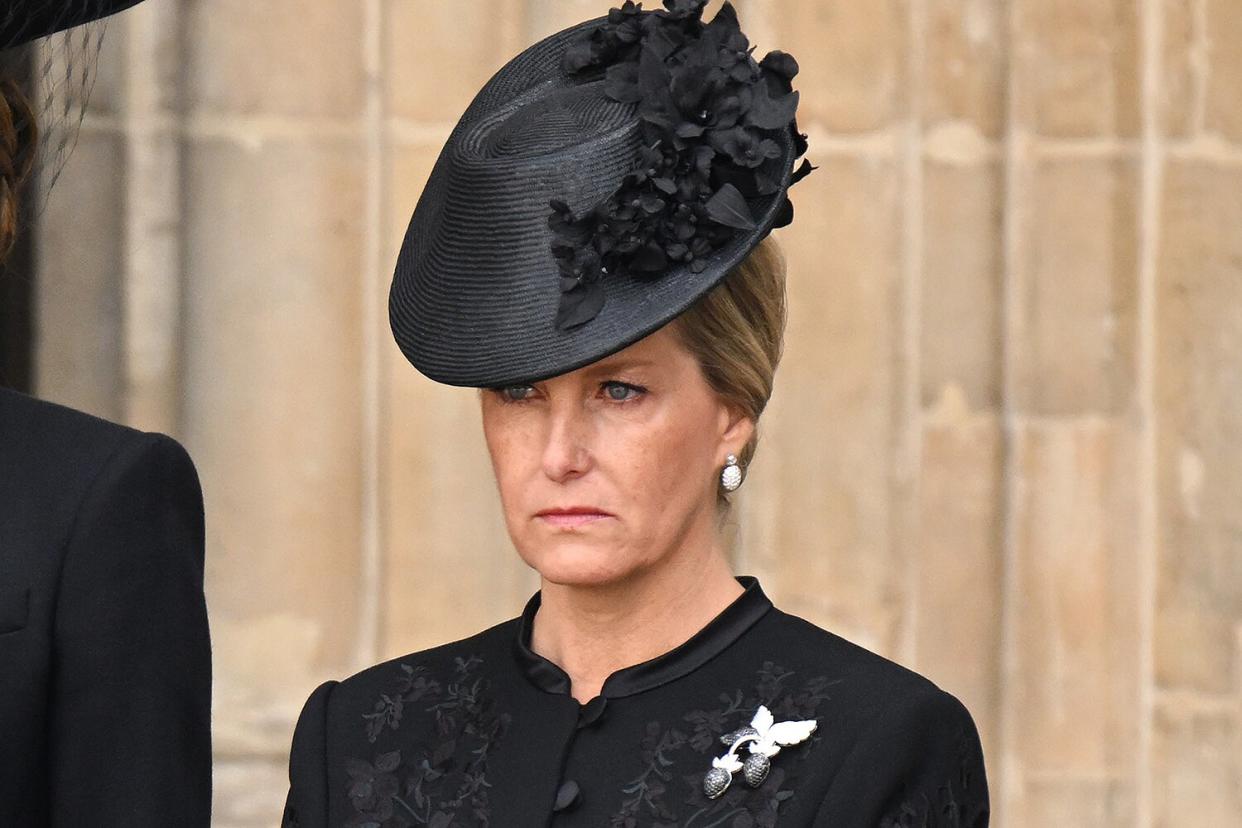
(1199, 405)
(1197, 620)
(440, 54)
(450, 568)
(957, 562)
(1182, 68)
(273, 253)
(281, 57)
(1196, 774)
(249, 792)
(161, 29)
(964, 64)
(815, 521)
(153, 267)
(1223, 104)
(1076, 282)
(959, 344)
(79, 253)
(1074, 800)
(1076, 67)
(545, 17)
(140, 47)
(852, 59)
(1073, 676)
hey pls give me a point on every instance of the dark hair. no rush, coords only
(18, 141)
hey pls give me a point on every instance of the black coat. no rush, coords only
(484, 732)
(105, 666)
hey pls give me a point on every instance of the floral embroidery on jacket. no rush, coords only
(432, 785)
(740, 806)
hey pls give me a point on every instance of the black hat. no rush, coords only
(597, 185)
(25, 20)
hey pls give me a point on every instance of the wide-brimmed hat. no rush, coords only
(600, 182)
(22, 21)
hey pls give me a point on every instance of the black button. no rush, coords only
(567, 796)
(592, 711)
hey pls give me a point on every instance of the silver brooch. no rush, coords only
(763, 739)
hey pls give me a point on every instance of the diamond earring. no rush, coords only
(731, 474)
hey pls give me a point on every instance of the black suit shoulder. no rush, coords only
(63, 471)
(440, 660)
(49, 456)
(52, 457)
(332, 710)
(880, 682)
(101, 568)
(911, 751)
(35, 429)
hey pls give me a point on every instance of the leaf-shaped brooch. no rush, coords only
(763, 739)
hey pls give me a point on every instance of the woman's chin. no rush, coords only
(580, 564)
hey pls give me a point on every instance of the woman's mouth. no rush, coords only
(571, 517)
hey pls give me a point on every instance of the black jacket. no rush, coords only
(105, 670)
(483, 732)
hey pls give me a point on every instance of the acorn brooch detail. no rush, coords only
(762, 740)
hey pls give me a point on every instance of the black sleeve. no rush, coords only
(130, 706)
(306, 806)
(919, 764)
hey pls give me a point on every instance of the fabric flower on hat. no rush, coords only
(711, 119)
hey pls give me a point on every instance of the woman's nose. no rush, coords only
(567, 454)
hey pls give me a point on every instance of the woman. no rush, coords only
(591, 251)
(105, 666)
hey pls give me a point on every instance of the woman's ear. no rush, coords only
(736, 429)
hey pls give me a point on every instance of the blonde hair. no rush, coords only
(736, 331)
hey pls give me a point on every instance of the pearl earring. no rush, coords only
(731, 475)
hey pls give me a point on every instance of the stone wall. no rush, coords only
(1003, 447)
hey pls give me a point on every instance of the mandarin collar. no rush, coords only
(707, 643)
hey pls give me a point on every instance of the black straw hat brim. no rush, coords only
(22, 21)
(476, 286)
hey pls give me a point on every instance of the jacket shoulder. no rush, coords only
(877, 683)
(56, 461)
(904, 750)
(31, 420)
(437, 661)
(45, 441)
(379, 699)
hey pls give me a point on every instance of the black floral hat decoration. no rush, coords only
(598, 184)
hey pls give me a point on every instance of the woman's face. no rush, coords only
(610, 470)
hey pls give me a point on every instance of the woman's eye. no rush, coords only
(517, 393)
(622, 391)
